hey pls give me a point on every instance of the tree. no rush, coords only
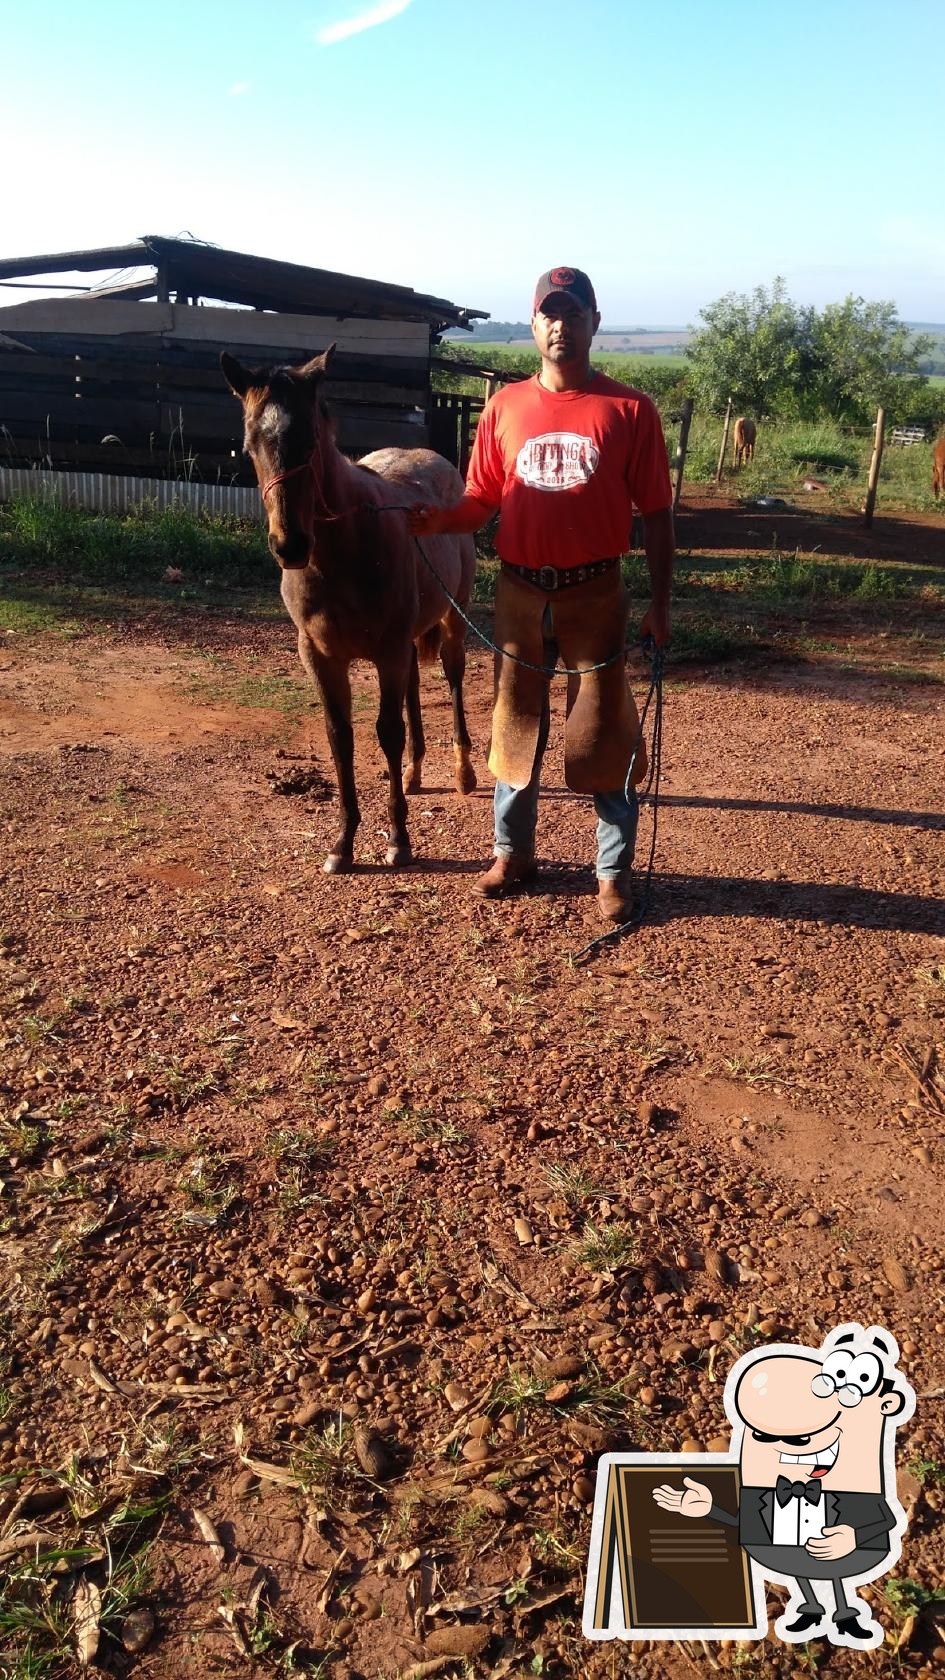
(755, 349)
(775, 357)
(862, 352)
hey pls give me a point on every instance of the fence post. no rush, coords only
(728, 421)
(874, 467)
(680, 462)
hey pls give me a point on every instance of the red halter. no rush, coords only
(315, 466)
(293, 472)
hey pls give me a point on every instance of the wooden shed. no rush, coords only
(125, 378)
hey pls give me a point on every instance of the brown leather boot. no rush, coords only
(507, 874)
(615, 897)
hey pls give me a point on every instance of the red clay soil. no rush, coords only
(720, 524)
(284, 1150)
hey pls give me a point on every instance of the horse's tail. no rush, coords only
(429, 643)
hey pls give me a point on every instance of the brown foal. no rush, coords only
(353, 581)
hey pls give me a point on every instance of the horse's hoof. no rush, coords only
(396, 857)
(414, 781)
(335, 864)
(464, 776)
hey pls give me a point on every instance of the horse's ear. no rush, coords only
(237, 377)
(318, 367)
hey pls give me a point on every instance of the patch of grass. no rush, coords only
(909, 1598)
(19, 1138)
(573, 1184)
(653, 1054)
(29, 618)
(325, 1462)
(306, 1148)
(756, 1070)
(37, 1587)
(519, 1388)
(909, 674)
(700, 637)
(929, 1471)
(185, 1083)
(604, 1248)
(785, 578)
(208, 1191)
(427, 1126)
(223, 682)
(933, 974)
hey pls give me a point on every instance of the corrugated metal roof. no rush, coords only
(191, 268)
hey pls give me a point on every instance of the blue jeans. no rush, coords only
(516, 814)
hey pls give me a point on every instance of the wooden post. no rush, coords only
(680, 462)
(874, 467)
(728, 421)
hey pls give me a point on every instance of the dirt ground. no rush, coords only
(347, 1217)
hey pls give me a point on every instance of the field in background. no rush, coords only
(789, 455)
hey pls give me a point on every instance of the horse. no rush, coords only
(938, 466)
(354, 581)
(743, 443)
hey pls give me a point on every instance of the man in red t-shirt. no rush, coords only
(565, 457)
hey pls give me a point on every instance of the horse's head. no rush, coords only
(285, 426)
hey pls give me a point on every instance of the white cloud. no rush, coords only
(238, 88)
(381, 13)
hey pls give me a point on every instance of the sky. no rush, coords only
(675, 152)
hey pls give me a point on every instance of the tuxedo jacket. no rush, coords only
(866, 1513)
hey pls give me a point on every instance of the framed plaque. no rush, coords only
(657, 1574)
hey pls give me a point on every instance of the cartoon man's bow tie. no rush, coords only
(785, 1490)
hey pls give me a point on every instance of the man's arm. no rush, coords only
(660, 546)
(466, 515)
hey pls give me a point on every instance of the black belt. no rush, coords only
(550, 578)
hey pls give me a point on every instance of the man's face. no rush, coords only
(562, 330)
(792, 1431)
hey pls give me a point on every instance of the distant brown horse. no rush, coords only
(938, 466)
(353, 581)
(743, 442)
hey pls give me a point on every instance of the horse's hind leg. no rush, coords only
(453, 658)
(392, 735)
(416, 744)
(334, 686)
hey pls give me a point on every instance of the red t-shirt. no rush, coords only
(567, 468)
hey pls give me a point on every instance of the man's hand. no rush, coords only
(656, 624)
(695, 1501)
(833, 1542)
(424, 521)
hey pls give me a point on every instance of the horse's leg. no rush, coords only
(331, 679)
(453, 659)
(416, 744)
(391, 733)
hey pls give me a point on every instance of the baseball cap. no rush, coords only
(573, 281)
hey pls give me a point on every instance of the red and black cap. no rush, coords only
(573, 281)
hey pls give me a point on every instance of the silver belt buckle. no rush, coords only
(548, 578)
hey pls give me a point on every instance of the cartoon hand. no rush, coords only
(833, 1543)
(695, 1502)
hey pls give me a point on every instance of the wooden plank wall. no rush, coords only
(73, 372)
(453, 423)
